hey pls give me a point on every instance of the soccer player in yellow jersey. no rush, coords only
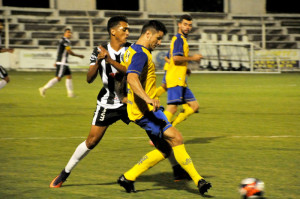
(163, 88)
(144, 109)
(178, 91)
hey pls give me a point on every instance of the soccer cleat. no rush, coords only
(42, 92)
(71, 95)
(203, 186)
(180, 174)
(58, 180)
(127, 184)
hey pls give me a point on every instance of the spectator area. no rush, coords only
(41, 28)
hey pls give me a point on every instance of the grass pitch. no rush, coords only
(247, 126)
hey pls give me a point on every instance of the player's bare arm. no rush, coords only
(135, 84)
(178, 60)
(114, 63)
(93, 69)
(3, 50)
(167, 59)
(74, 54)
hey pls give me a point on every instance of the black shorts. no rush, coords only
(106, 117)
(62, 70)
(3, 72)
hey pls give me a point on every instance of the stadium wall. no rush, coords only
(230, 6)
(253, 7)
(25, 59)
(76, 5)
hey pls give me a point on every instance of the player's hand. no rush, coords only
(188, 72)
(197, 57)
(81, 56)
(102, 53)
(105, 53)
(155, 103)
(10, 50)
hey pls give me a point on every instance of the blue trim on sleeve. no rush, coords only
(178, 46)
(168, 54)
(138, 61)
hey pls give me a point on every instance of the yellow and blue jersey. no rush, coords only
(166, 66)
(138, 59)
(176, 75)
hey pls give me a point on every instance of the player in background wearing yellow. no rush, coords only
(163, 87)
(144, 109)
(62, 66)
(178, 91)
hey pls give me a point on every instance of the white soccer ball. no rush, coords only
(252, 188)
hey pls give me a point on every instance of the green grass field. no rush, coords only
(247, 126)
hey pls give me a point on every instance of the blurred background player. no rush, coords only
(178, 91)
(110, 107)
(144, 109)
(62, 66)
(3, 73)
(163, 87)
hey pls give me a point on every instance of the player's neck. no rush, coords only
(116, 45)
(143, 42)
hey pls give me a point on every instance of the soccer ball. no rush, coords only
(252, 188)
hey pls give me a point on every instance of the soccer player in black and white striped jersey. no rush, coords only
(62, 66)
(110, 107)
(4, 78)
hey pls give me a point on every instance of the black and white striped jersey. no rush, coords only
(62, 53)
(107, 97)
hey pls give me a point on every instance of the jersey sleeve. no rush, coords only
(93, 58)
(178, 47)
(168, 55)
(137, 64)
(67, 45)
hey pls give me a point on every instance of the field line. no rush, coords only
(144, 137)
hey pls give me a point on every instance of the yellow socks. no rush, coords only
(149, 160)
(182, 116)
(186, 163)
(168, 115)
(160, 90)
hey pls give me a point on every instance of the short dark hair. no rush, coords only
(156, 25)
(186, 17)
(67, 29)
(114, 21)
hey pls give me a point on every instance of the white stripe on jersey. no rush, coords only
(105, 98)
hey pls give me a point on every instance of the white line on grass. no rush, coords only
(143, 137)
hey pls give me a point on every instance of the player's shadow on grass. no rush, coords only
(202, 140)
(165, 181)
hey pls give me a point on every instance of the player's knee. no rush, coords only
(176, 138)
(195, 106)
(58, 78)
(91, 143)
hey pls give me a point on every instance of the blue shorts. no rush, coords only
(164, 78)
(155, 123)
(180, 95)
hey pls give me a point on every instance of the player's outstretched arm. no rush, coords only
(178, 60)
(3, 50)
(74, 54)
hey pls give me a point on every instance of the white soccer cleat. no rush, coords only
(42, 92)
(71, 95)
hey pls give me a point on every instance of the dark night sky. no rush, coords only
(273, 6)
